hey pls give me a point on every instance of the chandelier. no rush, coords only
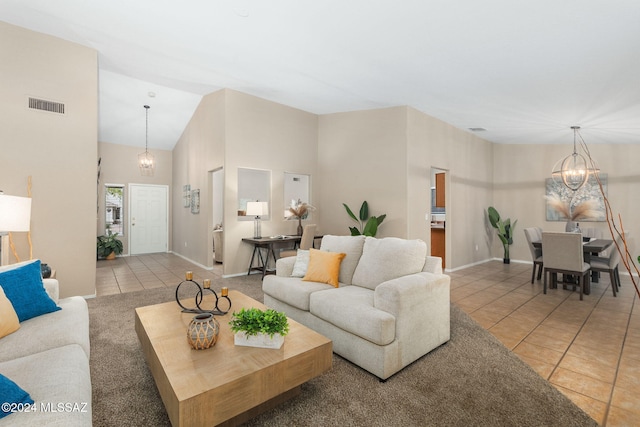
(145, 160)
(573, 171)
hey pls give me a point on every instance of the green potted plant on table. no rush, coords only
(368, 228)
(505, 231)
(253, 327)
(109, 245)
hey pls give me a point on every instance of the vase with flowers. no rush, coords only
(299, 210)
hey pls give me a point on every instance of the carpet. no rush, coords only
(473, 380)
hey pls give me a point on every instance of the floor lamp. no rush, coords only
(15, 216)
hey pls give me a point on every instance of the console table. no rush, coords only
(266, 244)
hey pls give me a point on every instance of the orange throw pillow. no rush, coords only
(324, 267)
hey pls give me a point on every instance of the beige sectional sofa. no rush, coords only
(48, 357)
(391, 306)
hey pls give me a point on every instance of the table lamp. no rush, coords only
(257, 209)
(15, 215)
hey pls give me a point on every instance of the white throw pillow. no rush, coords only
(301, 264)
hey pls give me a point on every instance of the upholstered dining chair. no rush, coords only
(563, 253)
(306, 241)
(609, 265)
(533, 234)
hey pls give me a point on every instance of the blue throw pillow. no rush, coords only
(22, 284)
(11, 395)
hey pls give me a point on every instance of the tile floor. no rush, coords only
(589, 350)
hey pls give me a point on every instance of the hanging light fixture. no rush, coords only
(573, 171)
(145, 160)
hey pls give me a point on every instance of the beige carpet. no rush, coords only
(473, 380)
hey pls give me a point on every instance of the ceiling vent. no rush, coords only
(44, 105)
(477, 129)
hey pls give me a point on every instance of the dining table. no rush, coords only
(591, 247)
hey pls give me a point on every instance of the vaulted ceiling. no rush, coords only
(524, 71)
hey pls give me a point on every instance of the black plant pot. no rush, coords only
(506, 260)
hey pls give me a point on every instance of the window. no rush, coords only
(114, 208)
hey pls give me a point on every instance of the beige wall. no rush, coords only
(234, 130)
(269, 136)
(468, 162)
(199, 151)
(519, 188)
(119, 165)
(58, 151)
(385, 157)
(362, 156)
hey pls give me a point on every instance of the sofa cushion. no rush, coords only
(351, 308)
(67, 326)
(301, 264)
(292, 290)
(349, 245)
(388, 258)
(324, 267)
(9, 322)
(55, 377)
(11, 393)
(22, 284)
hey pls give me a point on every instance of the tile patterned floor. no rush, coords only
(136, 273)
(589, 350)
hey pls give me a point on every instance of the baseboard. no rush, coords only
(513, 261)
(191, 261)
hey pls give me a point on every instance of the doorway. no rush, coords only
(148, 218)
(438, 221)
(216, 245)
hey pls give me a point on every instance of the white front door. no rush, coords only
(148, 224)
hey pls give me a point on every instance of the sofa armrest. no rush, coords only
(284, 266)
(52, 288)
(421, 305)
(433, 264)
(408, 295)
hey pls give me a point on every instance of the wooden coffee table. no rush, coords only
(224, 384)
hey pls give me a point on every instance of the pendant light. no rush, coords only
(573, 171)
(145, 160)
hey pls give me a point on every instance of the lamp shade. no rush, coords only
(257, 208)
(15, 213)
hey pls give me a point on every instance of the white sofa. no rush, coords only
(391, 306)
(48, 357)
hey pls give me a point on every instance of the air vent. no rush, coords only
(44, 105)
(477, 129)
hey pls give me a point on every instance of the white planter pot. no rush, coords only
(259, 340)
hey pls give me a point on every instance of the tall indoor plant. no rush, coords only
(368, 226)
(505, 231)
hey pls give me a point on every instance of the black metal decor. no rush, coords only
(206, 287)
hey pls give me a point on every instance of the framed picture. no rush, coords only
(186, 195)
(590, 191)
(195, 201)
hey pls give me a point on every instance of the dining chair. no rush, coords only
(533, 235)
(592, 232)
(609, 265)
(306, 241)
(563, 253)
